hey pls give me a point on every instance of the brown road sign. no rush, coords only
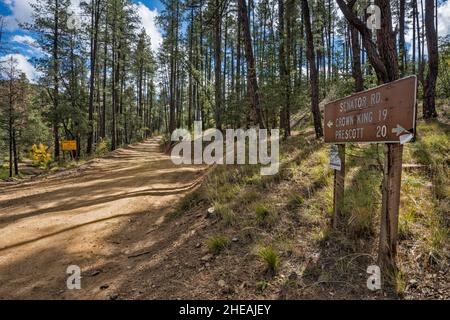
(385, 114)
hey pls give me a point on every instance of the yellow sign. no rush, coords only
(69, 145)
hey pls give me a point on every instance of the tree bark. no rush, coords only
(256, 114)
(173, 80)
(217, 64)
(95, 17)
(401, 37)
(16, 156)
(421, 41)
(282, 63)
(238, 68)
(386, 41)
(10, 125)
(191, 87)
(289, 40)
(313, 70)
(105, 63)
(414, 8)
(115, 79)
(371, 48)
(429, 100)
(55, 119)
(356, 60)
(356, 57)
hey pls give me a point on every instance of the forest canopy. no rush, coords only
(226, 63)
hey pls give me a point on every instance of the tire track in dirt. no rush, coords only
(93, 217)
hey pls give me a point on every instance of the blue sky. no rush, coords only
(20, 43)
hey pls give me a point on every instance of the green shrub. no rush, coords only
(295, 200)
(249, 197)
(217, 243)
(102, 147)
(262, 213)
(40, 155)
(223, 193)
(270, 257)
(262, 285)
(4, 172)
(225, 213)
(164, 142)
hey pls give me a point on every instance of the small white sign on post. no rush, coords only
(335, 160)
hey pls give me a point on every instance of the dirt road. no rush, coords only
(101, 217)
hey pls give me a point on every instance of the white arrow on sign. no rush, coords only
(405, 137)
(330, 124)
(399, 130)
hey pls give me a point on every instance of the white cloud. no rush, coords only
(33, 48)
(27, 40)
(443, 22)
(24, 65)
(148, 18)
(444, 19)
(21, 12)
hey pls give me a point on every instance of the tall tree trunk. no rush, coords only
(95, 17)
(114, 82)
(414, 8)
(421, 46)
(10, 126)
(429, 100)
(105, 67)
(313, 70)
(191, 87)
(401, 37)
(217, 64)
(289, 42)
(282, 63)
(225, 83)
(201, 65)
(356, 58)
(16, 156)
(329, 28)
(386, 44)
(55, 119)
(238, 67)
(173, 85)
(256, 114)
(375, 58)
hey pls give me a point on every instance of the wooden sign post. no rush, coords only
(385, 114)
(338, 189)
(390, 206)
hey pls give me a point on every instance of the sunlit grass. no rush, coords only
(270, 257)
(216, 244)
